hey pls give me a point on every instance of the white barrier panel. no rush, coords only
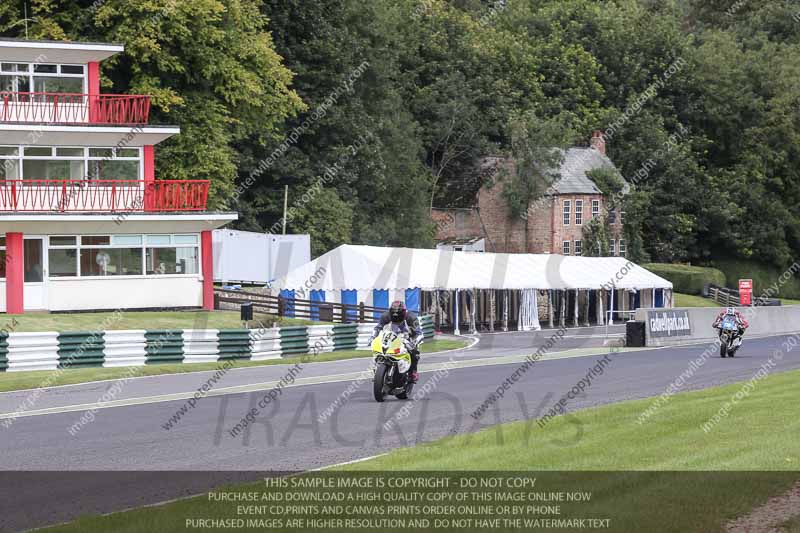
(32, 351)
(124, 348)
(265, 344)
(320, 339)
(200, 345)
(365, 334)
(684, 325)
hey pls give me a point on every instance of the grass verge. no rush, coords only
(112, 320)
(690, 300)
(758, 434)
(11, 381)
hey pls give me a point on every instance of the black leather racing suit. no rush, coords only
(411, 326)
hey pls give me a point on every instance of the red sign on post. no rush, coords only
(745, 291)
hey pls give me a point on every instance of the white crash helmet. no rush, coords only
(730, 311)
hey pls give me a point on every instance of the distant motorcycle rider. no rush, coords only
(406, 322)
(741, 321)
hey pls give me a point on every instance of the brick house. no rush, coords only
(553, 223)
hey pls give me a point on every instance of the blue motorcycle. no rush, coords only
(729, 337)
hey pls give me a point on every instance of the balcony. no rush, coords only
(102, 196)
(71, 108)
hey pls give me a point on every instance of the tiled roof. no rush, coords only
(577, 162)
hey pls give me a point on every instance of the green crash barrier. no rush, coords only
(294, 340)
(426, 321)
(79, 349)
(234, 344)
(345, 337)
(3, 351)
(164, 346)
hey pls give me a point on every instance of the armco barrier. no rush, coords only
(364, 335)
(294, 340)
(345, 336)
(320, 339)
(426, 321)
(265, 344)
(164, 346)
(118, 348)
(3, 351)
(681, 325)
(124, 348)
(32, 351)
(78, 349)
(200, 345)
(234, 344)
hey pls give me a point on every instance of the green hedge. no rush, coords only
(763, 277)
(687, 279)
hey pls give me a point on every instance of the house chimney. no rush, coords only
(598, 142)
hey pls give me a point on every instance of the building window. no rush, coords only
(595, 208)
(62, 257)
(41, 78)
(70, 163)
(612, 215)
(123, 255)
(2, 258)
(177, 254)
(578, 247)
(566, 248)
(567, 209)
(622, 247)
(578, 212)
(612, 247)
(621, 216)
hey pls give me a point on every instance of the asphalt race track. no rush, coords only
(292, 433)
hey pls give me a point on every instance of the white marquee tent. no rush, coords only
(353, 267)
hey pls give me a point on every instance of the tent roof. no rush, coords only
(372, 267)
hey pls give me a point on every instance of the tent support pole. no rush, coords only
(506, 295)
(600, 319)
(492, 307)
(550, 307)
(474, 309)
(456, 330)
(577, 294)
(588, 291)
(611, 309)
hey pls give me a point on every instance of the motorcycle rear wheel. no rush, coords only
(378, 383)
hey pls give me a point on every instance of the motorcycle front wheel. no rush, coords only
(378, 382)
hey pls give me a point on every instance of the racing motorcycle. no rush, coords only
(729, 337)
(390, 350)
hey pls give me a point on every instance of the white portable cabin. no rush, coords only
(250, 257)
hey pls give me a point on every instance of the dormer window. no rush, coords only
(42, 78)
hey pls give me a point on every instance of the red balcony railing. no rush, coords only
(69, 108)
(102, 196)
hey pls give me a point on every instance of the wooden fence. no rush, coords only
(297, 308)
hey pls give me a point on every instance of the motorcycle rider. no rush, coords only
(741, 322)
(406, 322)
